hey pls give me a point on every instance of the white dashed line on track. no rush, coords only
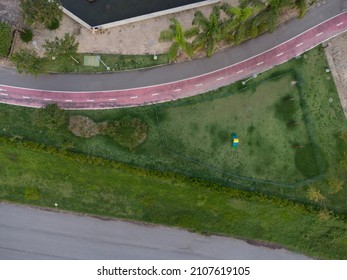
(68, 100)
(220, 78)
(47, 99)
(155, 94)
(260, 63)
(133, 97)
(238, 72)
(26, 97)
(298, 45)
(112, 99)
(90, 100)
(198, 85)
(340, 23)
(4, 94)
(319, 34)
(1, 89)
(280, 54)
(177, 89)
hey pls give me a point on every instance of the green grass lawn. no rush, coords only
(116, 62)
(40, 178)
(201, 131)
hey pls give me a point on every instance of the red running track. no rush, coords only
(183, 88)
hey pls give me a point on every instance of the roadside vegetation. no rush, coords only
(229, 25)
(6, 39)
(44, 12)
(35, 175)
(226, 25)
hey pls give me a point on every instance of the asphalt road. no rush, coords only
(28, 233)
(169, 73)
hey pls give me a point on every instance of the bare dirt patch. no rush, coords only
(336, 52)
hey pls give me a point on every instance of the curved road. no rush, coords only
(28, 233)
(178, 80)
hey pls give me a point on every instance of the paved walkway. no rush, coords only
(181, 88)
(28, 233)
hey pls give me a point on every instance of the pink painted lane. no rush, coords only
(183, 88)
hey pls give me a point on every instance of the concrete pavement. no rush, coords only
(28, 233)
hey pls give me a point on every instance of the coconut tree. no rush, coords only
(179, 39)
(234, 26)
(211, 31)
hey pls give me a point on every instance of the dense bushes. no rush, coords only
(128, 132)
(26, 35)
(41, 12)
(50, 117)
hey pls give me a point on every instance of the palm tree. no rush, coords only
(234, 26)
(302, 6)
(178, 37)
(211, 31)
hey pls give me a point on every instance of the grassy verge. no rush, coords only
(40, 178)
(67, 64)
(195, 135)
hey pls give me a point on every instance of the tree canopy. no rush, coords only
(45, 12)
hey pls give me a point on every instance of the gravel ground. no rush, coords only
(9, 12)
(336, 52)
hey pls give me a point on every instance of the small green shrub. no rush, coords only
(53, 25)
(26, 35)
(50, 117)
(31, 193)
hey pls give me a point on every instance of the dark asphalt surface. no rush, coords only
(28, 233)
(174, 72)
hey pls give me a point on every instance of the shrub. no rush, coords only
(53, 25)
(129, 132)
(26, 35)
(50, 117)
(6, 38)
(41, 11)
(63, 46)
(28, 61)
(31, 193)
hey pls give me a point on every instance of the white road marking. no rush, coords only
(220, 78)
(112, 99)
(1, 89)
(26, 97)
(47, 99)
(239, 71)
(198, 85)
(133, 97)
(177, 89)
(155, 94)
(298, 45)
(280, 54)
(319, 34)
(5, 94)
(90, 100)
(68, 100)
(260, 63)
(340, 23)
